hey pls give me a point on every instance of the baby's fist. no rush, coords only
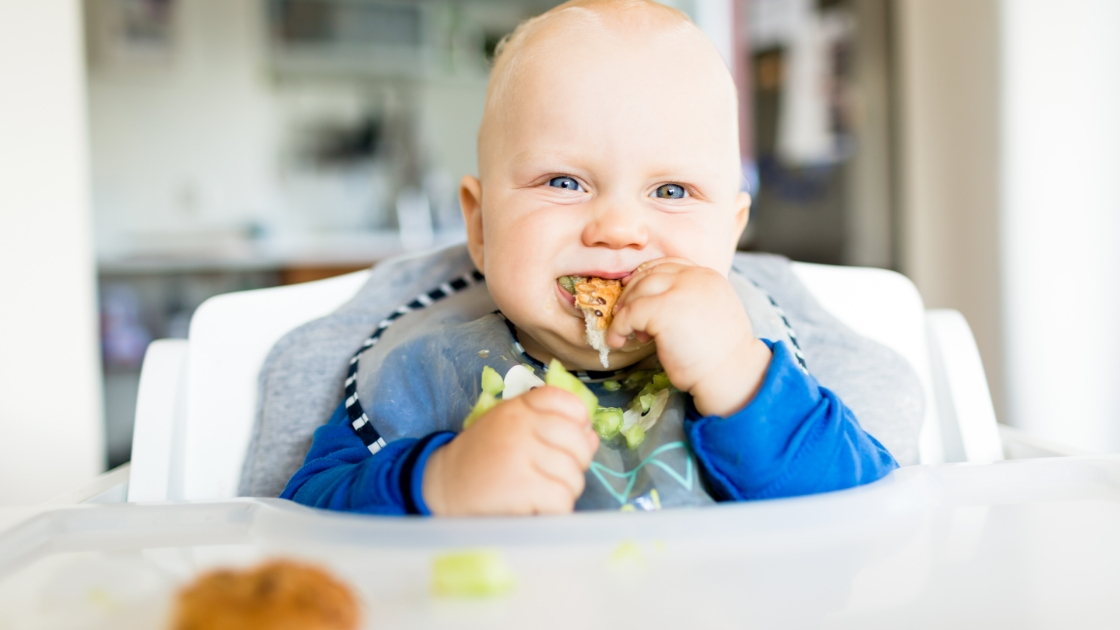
(525, 456)
(704, 338)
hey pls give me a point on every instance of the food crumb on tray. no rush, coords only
(277, 595)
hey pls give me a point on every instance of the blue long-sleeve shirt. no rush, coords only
(793, 438)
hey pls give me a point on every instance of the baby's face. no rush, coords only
(610, 151)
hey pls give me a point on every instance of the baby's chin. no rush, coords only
(581, 355)
(562, 336)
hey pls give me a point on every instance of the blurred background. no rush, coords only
(154, 153)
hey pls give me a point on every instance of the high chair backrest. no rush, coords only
(197, 396)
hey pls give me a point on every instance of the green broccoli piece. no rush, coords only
(568, 283)
(559, 377)
(492, 381)
(607, 422)
(486, 402)
(481, 573)
(635, 435)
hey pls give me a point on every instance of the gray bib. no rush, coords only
(419, 372)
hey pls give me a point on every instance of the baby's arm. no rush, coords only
(763, 428)
(794, 438)
(340, 474)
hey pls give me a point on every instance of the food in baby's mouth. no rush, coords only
(596, 297)
(277, 595)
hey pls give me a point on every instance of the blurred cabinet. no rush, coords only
(147, 297)
(819, 76)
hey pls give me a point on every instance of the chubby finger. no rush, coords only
(553, 400)
(558, 467)
(648, 285)
(551, 497)
(650, 265)
(567, 437)
(634, 318)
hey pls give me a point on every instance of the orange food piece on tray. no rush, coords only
(277, 595)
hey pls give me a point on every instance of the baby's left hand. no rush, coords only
(704, 338)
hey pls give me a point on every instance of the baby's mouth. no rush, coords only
(595, 298)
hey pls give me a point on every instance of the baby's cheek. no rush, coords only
(704, 242)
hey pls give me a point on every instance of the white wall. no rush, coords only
(1061, 218)
(201, 140)
(947, 81)
(50, 402)
(185, 141)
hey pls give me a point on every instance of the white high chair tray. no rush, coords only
(1026, 544)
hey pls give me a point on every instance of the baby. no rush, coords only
(608, 149)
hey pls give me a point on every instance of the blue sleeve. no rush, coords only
(339, 473)
(794, 438)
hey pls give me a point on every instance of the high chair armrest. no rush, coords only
(108, 487)
(960, 387)
(1019, 444)
(158, 409)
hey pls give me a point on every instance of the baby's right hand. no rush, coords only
(525, 456)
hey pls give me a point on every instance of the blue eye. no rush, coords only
(567, 183)
(670, 191)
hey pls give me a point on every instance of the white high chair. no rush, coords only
(197, 396)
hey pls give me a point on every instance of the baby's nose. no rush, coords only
(617, 226)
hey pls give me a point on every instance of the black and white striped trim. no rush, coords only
(785, 320)
(358, 418)
(789, 330)
(590, 376)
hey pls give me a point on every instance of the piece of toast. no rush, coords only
(597, 297)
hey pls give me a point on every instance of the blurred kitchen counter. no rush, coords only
(298, 258)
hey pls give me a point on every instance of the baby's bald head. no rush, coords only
(609, 139)
(567, 33)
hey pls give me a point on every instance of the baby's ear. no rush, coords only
(470, 200)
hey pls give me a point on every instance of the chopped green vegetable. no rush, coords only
(637, 379)
(492, 381)
(635, 435)
(569, 284)
(559, 377)
(660, 381)
(481, 573)
(646, 400)
(607, 422)
(486, 402)
(611, 386)
(627, 551)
